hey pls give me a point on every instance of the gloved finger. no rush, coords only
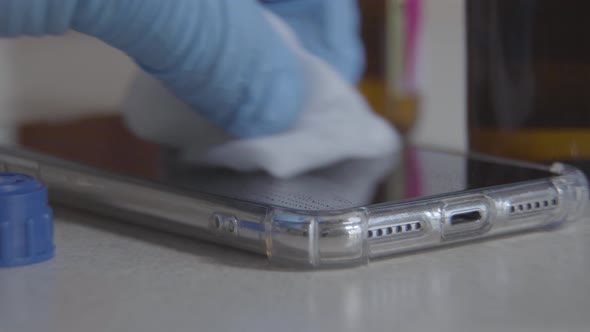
(329, 29)
(219, 56)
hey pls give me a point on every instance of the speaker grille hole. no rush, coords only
(533, 206)
(392, 231)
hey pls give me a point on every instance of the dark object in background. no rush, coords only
(529, 79)
(103, 141)
(399, 107)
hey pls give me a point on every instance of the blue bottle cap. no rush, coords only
(26, 221)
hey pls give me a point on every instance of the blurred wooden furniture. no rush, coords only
(103, 141)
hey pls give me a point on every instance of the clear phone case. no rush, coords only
(355, 237)
(315, 239)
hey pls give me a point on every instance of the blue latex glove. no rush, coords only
(328, 28)
(219, 56)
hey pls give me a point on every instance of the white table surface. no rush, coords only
(109, 276)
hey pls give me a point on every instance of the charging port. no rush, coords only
(465, 218)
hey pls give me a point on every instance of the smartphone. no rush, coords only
(343, 215)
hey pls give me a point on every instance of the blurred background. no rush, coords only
(74, 76)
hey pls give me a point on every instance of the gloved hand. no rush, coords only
(221, 57)
(321, 136)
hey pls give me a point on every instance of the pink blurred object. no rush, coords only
(413, 18)
(413, 173)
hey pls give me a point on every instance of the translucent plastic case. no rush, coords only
(310, 237)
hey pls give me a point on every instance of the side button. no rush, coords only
(224, 223)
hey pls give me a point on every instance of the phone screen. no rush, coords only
(105, 144)
(416, 173)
